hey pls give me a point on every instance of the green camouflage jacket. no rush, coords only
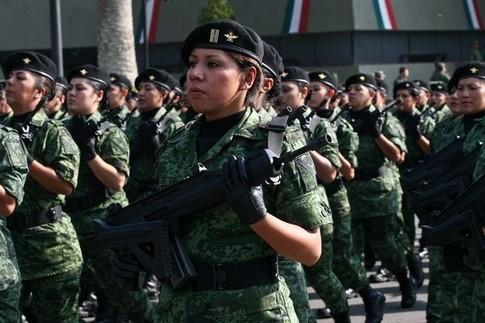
(143, 159)
(112, 146)
(375, 197)
(445, 132)
(118, 116)
(51, 248)
(13, 173)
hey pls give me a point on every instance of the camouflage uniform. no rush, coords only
(118, 116)
(217, 235)
(442, 113)
(143, 154)
(92, 200)
(442, 303)
(60, 114)
(6, 117)
(413, 155)
(373, 201)
(14, 170)
(321, 276)
(49, 256)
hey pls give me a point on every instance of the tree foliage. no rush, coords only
(216, 9)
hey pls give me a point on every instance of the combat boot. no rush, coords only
(415, 266)
(407, 285)
(374, 303)
(341, 317)
(323, 313)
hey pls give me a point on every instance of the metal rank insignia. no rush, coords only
(474, 70)
(214, 36)
(26, 60)
(83, 71)
(362, 78)
(321, 76)
(151, 77)
(230, 36)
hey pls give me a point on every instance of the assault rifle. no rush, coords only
(433, 166)
(149, 228)
(463, 222)
(391, 107)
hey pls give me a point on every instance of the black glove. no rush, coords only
(412, 127)
(371, 122)
(83, 134)
(127, 268)
(149, 133)
(246, 200)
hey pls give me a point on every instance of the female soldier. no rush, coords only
(233, 245)
(45, 241)
(103, 173)
(149, 130)
(372, 192)
(14, 170)
(346, 264)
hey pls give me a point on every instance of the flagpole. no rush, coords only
(145, 34)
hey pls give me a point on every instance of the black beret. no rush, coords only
(438, 86)
(90, 72)
(119, 80)
(33, 62)
(406, 85)
(61, 82)
(361, 78)
(226, 35)
(422, 85)
(324, 77)
(155, 76)
(272, 61)
(381, 85)
(295, 74)
(476, 70)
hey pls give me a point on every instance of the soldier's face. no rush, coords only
(408, 102)
(360, 96)
(423, 97)
(116, 95)
(216, 85)
(22, 91)
(438, 98)
(291, 95)
(319, 93)
(454, 103)
(471, 95)
(82, 97)
(150, 97)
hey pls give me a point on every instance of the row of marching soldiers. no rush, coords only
(101, 155)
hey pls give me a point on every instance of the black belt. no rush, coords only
(85, 202)
(368, 174)
(335, 186)
(236, 275)
(17, 222)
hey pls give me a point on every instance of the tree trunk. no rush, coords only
(116, 44)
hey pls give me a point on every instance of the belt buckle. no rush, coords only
(218, 276)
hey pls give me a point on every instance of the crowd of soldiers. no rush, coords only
(80, 149)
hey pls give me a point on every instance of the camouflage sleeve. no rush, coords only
(331, 150)
(427, 126)
(60, 152)
(170, 127)
(296, 198)
(348, 141)
(13, 165)
(394, 131)
(113, 148)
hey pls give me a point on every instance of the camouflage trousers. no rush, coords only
(53, 298)
(322, 277)
(268, 303)
(381, 235)
(294, 276)
(409, 217)
(470, 293)
(347, 264)
(98, 266)
(9, 304)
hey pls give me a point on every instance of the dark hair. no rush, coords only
(275, 91)
(402, 69)
(98, 86)
(45, 84)
(245, 63)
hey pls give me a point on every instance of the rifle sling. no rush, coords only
(362, 175)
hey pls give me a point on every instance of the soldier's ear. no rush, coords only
(250, 75)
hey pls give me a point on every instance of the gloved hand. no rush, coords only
(83, 134)
(149, 133)
(412, 127)
(371, 123)
(127, 268)
(246, 200)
